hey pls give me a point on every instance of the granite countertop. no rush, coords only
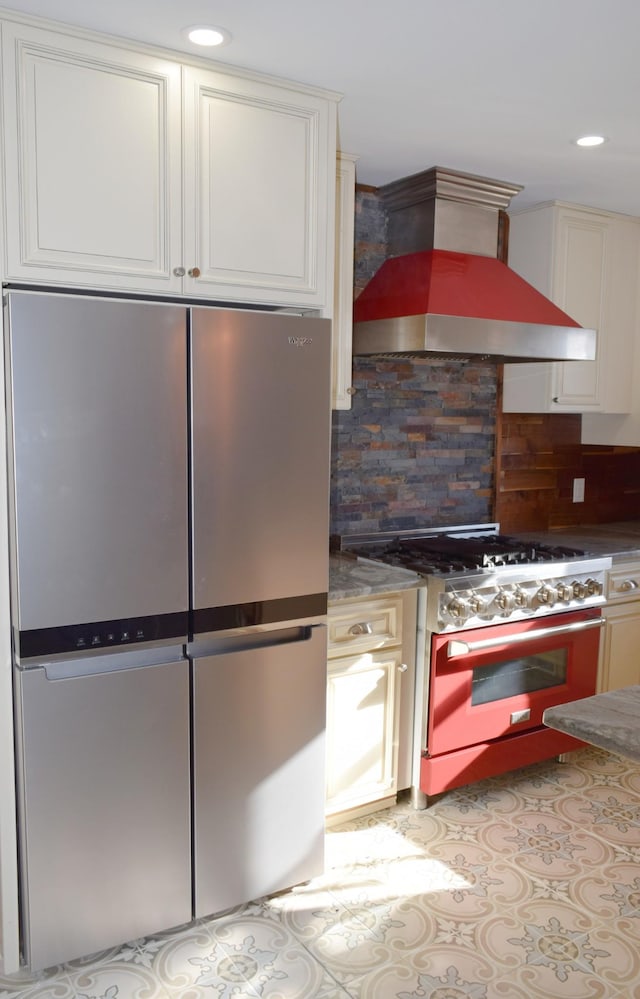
(610, 720)
(620, 540)
(358, 577)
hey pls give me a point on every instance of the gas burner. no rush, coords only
(447, 553)
(477, 577)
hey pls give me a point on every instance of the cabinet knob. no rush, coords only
(194, 272)
(628, 584)
(351, 390)
(364, 628)
(402, 668)
(179, 271)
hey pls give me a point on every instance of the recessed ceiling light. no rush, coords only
(202, 34)
(590, 140)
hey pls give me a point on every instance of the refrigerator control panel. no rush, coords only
(102, 635)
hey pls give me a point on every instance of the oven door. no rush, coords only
(497, 680)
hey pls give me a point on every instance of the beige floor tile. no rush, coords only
(551, 851)
(20, 984)
(551, 948)
(447, 973)
(609, 891)
(610, 812)
(589, 768)
(523, 886)
(58, 987)
(630, 779)
(117, 981)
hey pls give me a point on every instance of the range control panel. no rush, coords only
(514, 593)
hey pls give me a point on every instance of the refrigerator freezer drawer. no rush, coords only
(104, 808)
(259, 748)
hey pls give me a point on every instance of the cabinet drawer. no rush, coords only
(623, 582)
(368, 624)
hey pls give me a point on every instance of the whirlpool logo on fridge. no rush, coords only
(300, 341)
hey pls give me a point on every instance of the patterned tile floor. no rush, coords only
(523, 886)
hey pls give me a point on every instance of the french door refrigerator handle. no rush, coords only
(211, 646)
(69, 669)
(458, 647)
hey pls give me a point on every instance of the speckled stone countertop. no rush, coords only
(360, 577)
(619, 540)
(610, 720)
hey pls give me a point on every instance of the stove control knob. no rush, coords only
(458, 608)
(476, 604)
(565, 592)
(594, 587)
(521, 598)
(505, 601)
(547, 595)
(579, 590)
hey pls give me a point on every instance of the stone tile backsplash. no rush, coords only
(417, 448)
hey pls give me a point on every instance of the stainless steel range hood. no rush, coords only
(444, 292)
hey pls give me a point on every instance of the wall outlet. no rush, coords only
(578, 490)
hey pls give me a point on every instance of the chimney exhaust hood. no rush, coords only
(444, 293)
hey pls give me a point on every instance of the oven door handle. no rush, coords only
(458, 647)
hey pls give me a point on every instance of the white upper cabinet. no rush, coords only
(92, 163)
(259, 179)
(586, 261)
(125, 170)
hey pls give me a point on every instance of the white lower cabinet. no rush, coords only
(620, 645)
(370, 698)
(127, 170)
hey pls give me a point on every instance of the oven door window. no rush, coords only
(499, 687)
(514, 677)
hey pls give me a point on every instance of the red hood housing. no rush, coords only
(444, 283)
(444, 292)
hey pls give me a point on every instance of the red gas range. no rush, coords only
(513, 627)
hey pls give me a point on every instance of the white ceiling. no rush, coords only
(494, 87)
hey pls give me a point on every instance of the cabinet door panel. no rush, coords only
(255, 176)
(240, 141)
(92, 162)
(580, 292)
(362, 729)
(619, 666)
(586, 260)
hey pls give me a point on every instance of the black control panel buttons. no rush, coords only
(91, 636)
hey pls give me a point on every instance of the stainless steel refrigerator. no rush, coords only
(169, 573)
